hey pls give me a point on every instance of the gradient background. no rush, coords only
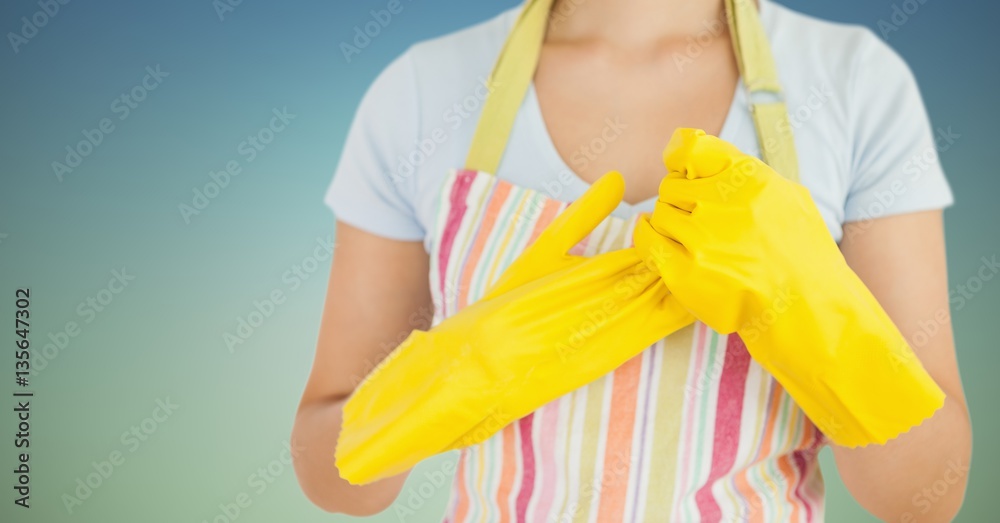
(162, 337)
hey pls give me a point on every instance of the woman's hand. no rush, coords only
(377, 294)
(747, 251)
(741, 237)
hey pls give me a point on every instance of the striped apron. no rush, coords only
(689, 430)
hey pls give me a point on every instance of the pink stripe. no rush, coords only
(550, 418)
(456, 212)
(803, 467)
(528, 456)
(807, 467)
(727, 424)
(806, 460)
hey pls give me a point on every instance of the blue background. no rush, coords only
(162, 337)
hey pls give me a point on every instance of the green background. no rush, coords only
(161, 337)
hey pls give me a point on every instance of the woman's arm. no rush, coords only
(921, 475)
(378, 293)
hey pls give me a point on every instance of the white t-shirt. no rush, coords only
(865, 145)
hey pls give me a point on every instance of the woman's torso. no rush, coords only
(691, 429)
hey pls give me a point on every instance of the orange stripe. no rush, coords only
(809, 435)
(789, 471)
(772, 420)
(549, 212)
(618, 448)
(742, 484)
(753, 500)
(508, 472)
(471, 261)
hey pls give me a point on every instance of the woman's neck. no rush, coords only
(633, 22)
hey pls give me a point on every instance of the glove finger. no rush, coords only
(583, 215)
(550, 251)
(691, 154)
(673, 223)
(665, 255)
(684, 194)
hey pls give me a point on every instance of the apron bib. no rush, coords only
(691, 429)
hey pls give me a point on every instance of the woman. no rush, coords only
(660, 438)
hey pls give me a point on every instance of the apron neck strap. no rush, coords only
(760, 78)
(515, 67)
(508, 84)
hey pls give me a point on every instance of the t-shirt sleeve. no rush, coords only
(895, 163)
(366, 191)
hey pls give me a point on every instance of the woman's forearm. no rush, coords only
(921, 475)
(314, 437)
(917, 477)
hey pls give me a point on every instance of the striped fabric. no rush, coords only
(689, 430)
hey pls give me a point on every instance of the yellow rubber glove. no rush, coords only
(747, 251)
(551, 324)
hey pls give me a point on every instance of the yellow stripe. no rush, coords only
(676, 351)
(568, 447)
(592, 430)
(481, 493)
